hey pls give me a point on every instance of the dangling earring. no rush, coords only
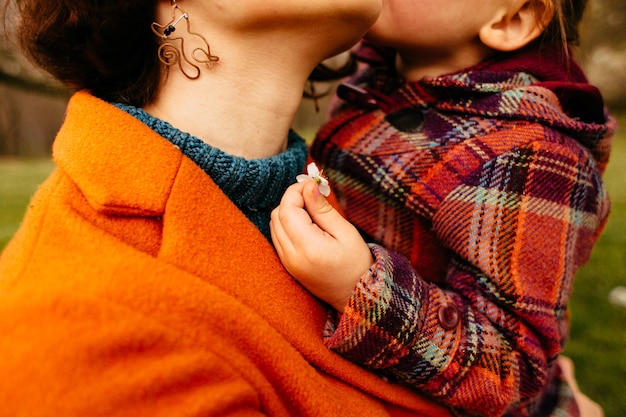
(312, 93)
(170, 54)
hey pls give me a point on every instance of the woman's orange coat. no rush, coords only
(136, 288)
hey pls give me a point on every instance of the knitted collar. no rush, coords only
(254, 186)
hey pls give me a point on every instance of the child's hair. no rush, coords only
(565, 24)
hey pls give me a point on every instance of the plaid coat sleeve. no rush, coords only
(520, 223)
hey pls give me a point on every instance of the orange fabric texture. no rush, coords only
(136, 288)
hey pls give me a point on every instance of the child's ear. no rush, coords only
(516, 27)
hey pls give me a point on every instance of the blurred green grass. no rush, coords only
(19, 178)
(598, 331)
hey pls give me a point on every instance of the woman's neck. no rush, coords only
(243, 108)
(246, 103)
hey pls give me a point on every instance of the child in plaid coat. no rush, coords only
(468, 151)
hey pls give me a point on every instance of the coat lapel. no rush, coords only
(132, 171)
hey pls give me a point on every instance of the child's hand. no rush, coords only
(317, 245)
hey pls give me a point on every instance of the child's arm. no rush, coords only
(481, 343)
(320, 248)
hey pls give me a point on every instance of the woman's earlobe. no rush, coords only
(516, 29)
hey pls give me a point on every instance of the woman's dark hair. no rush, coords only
(104, 46)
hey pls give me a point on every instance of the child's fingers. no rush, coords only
(290, 225)
(293, 241)
(292, 198)
(277, 234)
(281, 236)
(322, 212)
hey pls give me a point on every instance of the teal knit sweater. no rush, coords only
(255, 186)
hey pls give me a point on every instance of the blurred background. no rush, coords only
(32, 108)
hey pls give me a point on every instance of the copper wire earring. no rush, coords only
(172, 50)
(312, 93)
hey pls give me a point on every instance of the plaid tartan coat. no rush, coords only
(483, 189)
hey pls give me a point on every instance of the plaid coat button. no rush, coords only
(448, 316)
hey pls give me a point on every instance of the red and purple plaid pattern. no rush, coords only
(486, 195)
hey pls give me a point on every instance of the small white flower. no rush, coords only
(315, 174)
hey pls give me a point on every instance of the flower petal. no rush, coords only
(324, 189)
(312, 170)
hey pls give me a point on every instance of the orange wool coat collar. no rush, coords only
(141, 174)
(212, 272)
